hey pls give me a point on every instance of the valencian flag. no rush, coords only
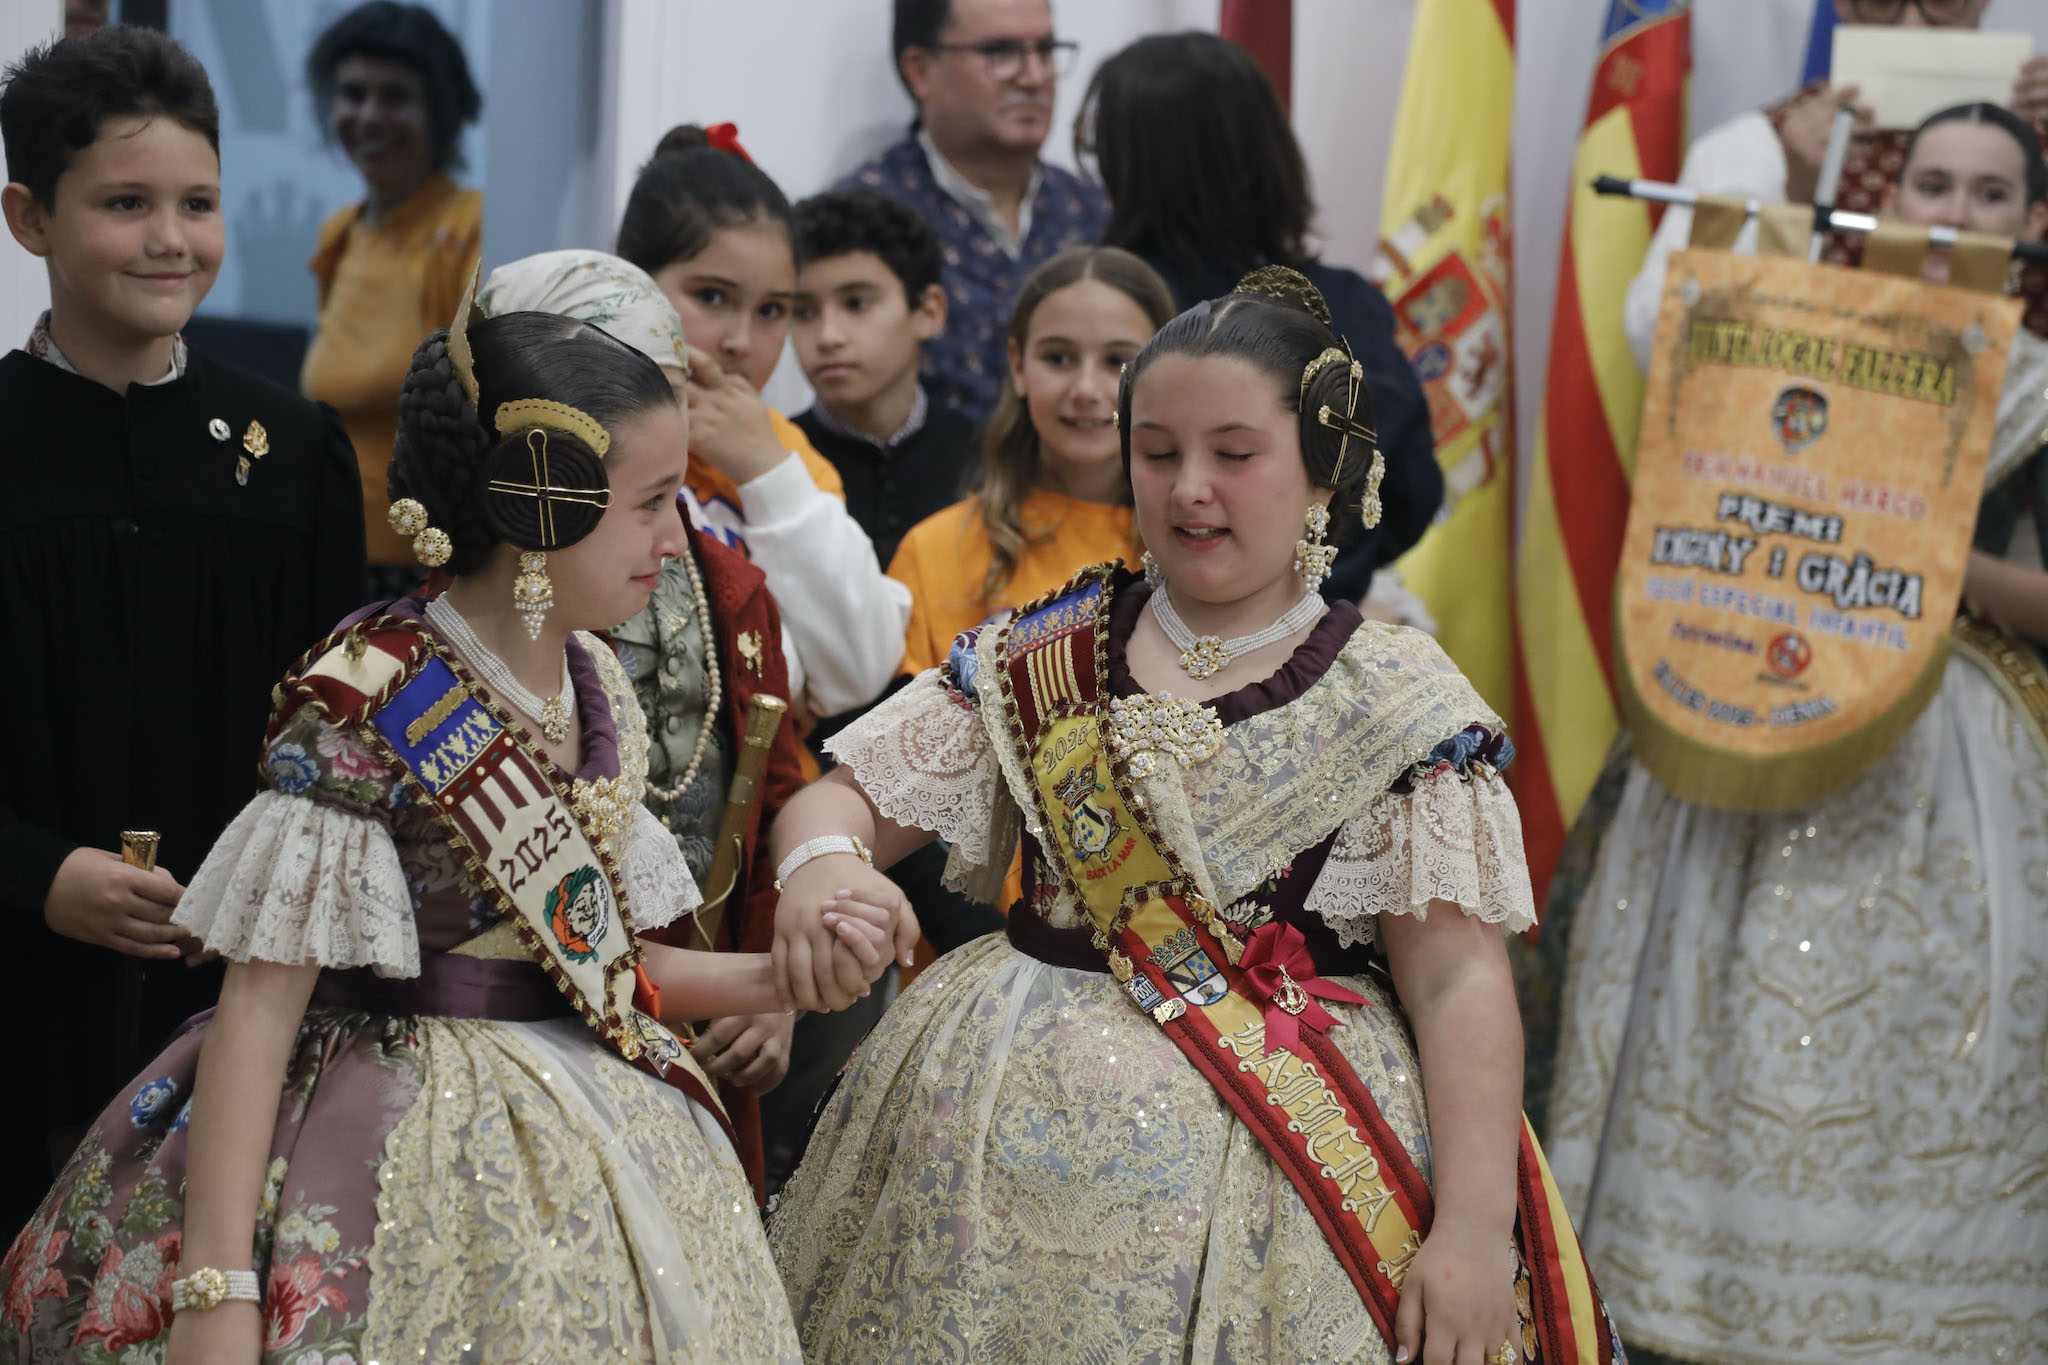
(1444, 263)
(1584, 457)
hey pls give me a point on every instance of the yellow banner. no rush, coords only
(1445, 263)
(1813, 450)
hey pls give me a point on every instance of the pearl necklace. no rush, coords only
(553, 714)
(1203, 656)
(714, 692)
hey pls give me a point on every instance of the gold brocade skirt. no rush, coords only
(1019, 1167)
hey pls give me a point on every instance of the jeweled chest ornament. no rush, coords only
(1143, 728)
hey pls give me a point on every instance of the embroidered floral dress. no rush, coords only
(461, 1171)
(1019, 1165)
(1800, 1112)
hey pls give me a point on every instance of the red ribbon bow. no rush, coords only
(725, 137)
(1283, 976)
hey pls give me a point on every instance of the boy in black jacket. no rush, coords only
(174, 533)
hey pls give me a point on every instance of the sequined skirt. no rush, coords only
(439, 1190)
(1018, 1166)
(1826, 1138)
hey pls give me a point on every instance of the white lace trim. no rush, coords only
(659, 887)
(927, 763)
(1450, 839)
(294, 880)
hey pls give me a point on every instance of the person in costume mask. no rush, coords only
(1835, 1053)
(1303, 813)
(436, 1005)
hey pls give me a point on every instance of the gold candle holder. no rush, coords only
(138, 848)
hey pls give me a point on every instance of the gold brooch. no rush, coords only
(1144, 726)
(606, 804)
(749, 645)
(255, 444)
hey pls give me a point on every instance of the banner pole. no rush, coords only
(1657, 192)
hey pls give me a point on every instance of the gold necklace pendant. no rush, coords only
(1205, 657)
(554, 720)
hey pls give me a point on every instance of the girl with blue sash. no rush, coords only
(438, 1114)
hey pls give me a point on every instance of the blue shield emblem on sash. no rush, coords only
(1189, 969)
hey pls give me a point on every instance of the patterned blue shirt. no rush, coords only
(964, 365)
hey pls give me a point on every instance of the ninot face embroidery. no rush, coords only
(577, 913)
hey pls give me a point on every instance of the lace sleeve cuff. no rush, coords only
(293, 880)
(659, 888)
(924, 758)
(1452, 838)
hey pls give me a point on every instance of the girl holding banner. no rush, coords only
(438, 1113)
(1801, 1107)
(1178, 1111)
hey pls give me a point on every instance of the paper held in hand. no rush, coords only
(1908, 73)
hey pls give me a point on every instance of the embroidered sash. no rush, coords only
(1181, 963)
(535, 852)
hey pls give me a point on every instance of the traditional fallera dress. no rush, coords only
(466, 1164)
(1037, 1156)
(1824, 1136)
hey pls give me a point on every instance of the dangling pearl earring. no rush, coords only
(1312, 558)
(533, 593)
(1151, 567)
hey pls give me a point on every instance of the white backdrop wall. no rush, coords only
(24, 287)
(577, 92)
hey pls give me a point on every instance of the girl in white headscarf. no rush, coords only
(843, 619)
(707, 642)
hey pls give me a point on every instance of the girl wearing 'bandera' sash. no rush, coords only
(437, 1115)
(1177, 1111)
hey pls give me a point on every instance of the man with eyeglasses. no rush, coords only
(983, 74)
(1774, 155)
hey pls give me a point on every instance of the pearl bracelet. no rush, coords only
(209, 1288)
(818, 848)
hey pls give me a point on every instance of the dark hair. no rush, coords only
(688, 190)
(1196, 155)
(918, 23)
(444, 440)
(841, 222)
(2016, 127)
(1280, 337)
(59, 97)
(1011, 459)
(412, 37)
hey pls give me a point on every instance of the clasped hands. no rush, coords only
(835, 926)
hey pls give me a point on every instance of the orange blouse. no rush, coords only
(945, 557)
(382, 289)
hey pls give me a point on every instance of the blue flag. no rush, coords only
(1820, 43)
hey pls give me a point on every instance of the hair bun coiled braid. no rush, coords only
(1283, 285)
(439, 455)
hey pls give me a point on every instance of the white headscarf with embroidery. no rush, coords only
(597, 288)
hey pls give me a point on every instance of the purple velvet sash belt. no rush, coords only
(452, 986)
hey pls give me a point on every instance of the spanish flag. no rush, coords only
(1584, 457)
(1444, 263)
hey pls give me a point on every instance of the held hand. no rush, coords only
(1458, 1300)
(806, 976)
(1805, 133)
(749, 1050)
(2030, 90)
(729, 424)
(230, 1334)
(97, 898)
(869, 936)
